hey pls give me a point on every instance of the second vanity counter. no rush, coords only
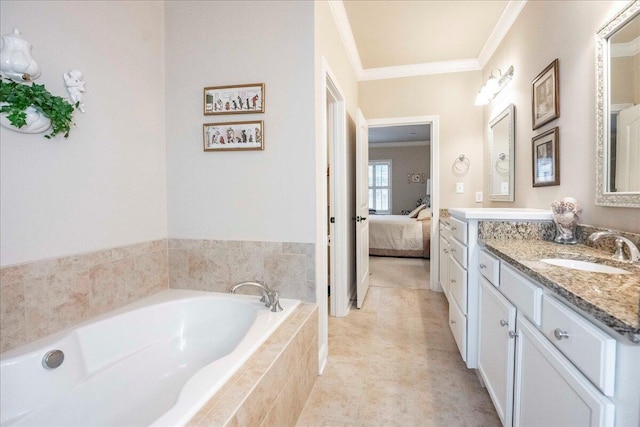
(612, 299)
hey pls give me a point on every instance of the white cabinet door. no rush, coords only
(458, 325)
(549, 390)
(496, 349)
(443, 264)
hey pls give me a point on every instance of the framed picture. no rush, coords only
(232, 136)
(235, 99)
(545, 97)
(546, 162)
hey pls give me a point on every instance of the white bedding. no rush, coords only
(397, 232)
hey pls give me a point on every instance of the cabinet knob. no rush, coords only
(453, 250)
(453, 280)
(503, 322)
(453, 228)
(445, 251)
(512, 334)
(559, 334)
(482, 266)
(453, 322)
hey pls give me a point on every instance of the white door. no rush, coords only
(628, 150)
(496, 348)
(362, 207)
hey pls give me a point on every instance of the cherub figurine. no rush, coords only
(74, 80)
(565, 215)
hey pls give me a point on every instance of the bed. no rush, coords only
(400, 235)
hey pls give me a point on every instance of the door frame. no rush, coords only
(434, 147)
(332, 102)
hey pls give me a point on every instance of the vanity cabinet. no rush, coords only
(463, 272)
(543, 363)
(549, 390)
(458, 287)
(443, 260)
(496, 350)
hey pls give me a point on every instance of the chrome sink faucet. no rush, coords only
(270, 297)
(620, 242)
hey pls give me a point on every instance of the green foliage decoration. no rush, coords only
(17, 97)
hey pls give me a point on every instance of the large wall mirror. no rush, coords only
(501, 155)
(618, 110)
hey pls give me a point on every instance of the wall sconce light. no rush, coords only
(493, 86)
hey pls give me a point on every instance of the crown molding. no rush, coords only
(344, 28)
(398, 144)
(506, 20)
(424, 69)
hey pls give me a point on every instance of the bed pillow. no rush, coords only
(414, 213)
(424, 214)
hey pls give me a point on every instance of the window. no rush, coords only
(380, 186)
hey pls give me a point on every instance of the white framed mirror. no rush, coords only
(502, 155)
(618, 110)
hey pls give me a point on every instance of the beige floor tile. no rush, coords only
(394, 362)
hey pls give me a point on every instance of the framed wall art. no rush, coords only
(235, 99)
(546, 158)
(545, 99)
(232, 136)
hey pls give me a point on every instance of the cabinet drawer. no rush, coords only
(445, 231)
(459, 252)
(458, 325)
(589, 348)
(458, 229)
(458, 284)
(489, 267)
(522, 293)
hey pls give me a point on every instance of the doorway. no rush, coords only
(424, 128)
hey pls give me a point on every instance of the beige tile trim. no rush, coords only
(275, 382)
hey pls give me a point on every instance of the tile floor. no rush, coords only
(394, 362)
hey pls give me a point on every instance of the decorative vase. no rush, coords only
(565, 215)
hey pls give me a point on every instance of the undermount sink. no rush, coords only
(584, 266)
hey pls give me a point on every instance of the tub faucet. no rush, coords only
(620, 241)
(270, 297)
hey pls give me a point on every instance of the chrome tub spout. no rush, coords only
(270, 297)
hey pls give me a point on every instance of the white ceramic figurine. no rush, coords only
(16, 62)
(75, 87)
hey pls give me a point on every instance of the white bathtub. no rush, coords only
(153, 362)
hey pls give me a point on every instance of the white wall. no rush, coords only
(450, 96)
(105, 185)
(253, 195)
(545, 31)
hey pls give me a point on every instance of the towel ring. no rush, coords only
(461, 165)
(502, 164)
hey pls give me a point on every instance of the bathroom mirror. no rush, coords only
(618, 110)
(501, 155)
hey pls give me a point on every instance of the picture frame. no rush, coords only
(545, 96)
(233, 99)
(244, 136)
(546, 158)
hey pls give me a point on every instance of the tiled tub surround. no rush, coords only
(612, 299)
(272, 387)
(215, 265)
(43, 297)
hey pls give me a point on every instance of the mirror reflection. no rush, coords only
(618, 110)
(624, 142)
(501, 156)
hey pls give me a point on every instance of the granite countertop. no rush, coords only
(613, 299)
